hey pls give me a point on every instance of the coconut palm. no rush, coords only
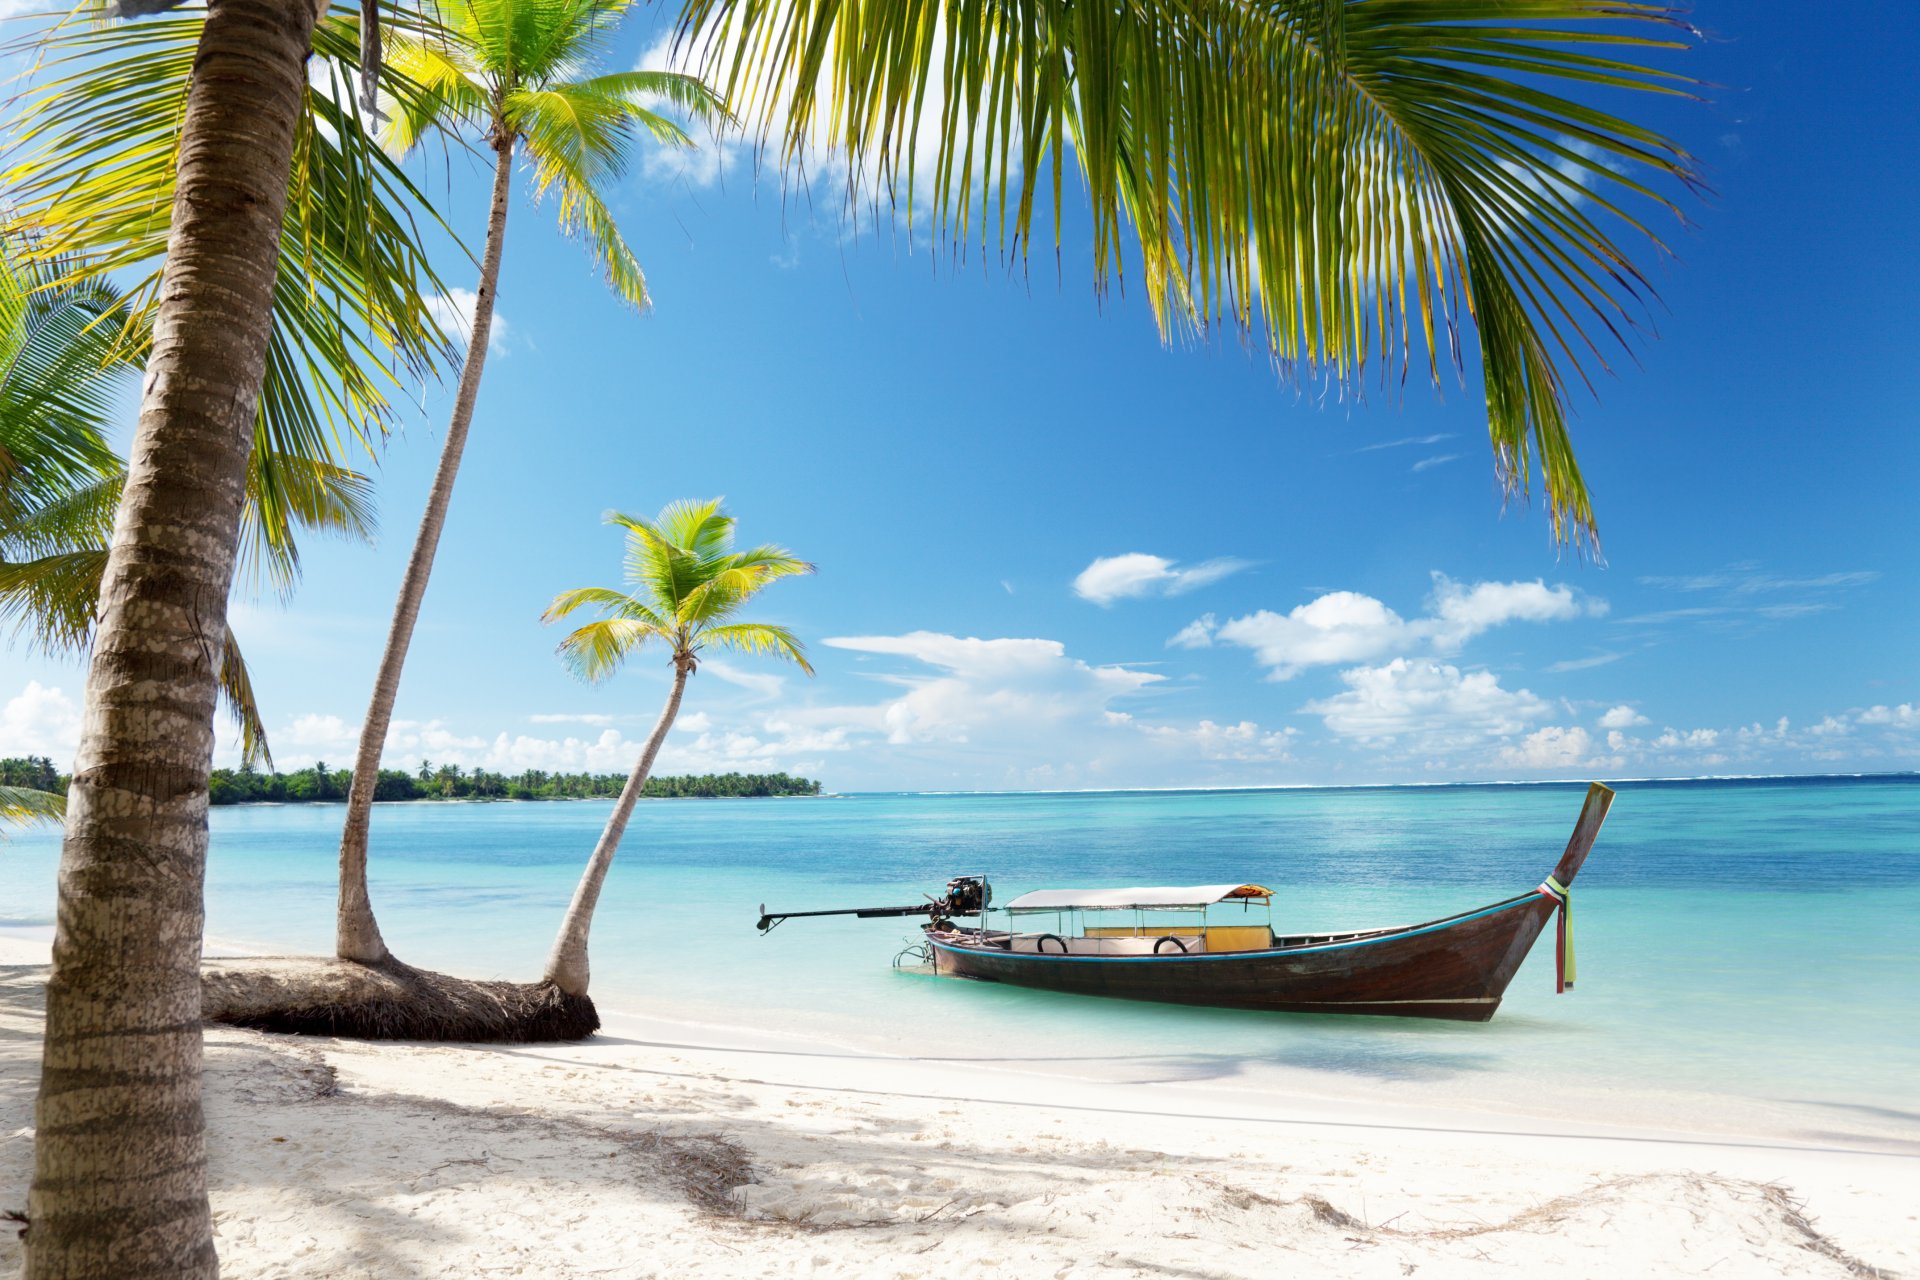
(190, 156)
(517, 73)
(689, 585)
(1353, 176)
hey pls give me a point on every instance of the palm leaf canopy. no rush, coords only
(1349, 178)
(689, 583)
(90, 182)
(64, 360)
(519, 73)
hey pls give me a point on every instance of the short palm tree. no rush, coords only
(689, 585)
(517, 74)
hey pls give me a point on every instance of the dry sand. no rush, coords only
(664, 1150)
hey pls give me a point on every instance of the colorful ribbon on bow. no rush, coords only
(1562, 897)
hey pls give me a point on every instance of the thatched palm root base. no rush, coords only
(387, 1001)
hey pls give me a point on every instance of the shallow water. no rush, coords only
(1748, 951)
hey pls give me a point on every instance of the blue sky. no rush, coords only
(1054, 553)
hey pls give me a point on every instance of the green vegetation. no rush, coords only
(319, 784)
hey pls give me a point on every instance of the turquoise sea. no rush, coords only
(1749, 951)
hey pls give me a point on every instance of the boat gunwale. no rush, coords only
(1388, 935)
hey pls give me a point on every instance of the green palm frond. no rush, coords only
(595, 651)
(51, 601)
(690, 584)
(22, 806)
(758, 638)
(61, 363)
(518, 72)
(91, 181)
(236, 690)
(1351, 179)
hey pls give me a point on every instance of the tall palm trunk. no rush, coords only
(120, 1173)
(357, 935)
(567, 966)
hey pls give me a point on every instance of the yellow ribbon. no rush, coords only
(1563, 896)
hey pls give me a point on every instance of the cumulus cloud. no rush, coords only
(1688, 740)
(1552, 747)
(1346, 626)
(1136, 574)
(40, 721)
(1341, 626)
(1621, 717)
(453, 312)
(1904, 716)
(1432, 704)
(990, 685)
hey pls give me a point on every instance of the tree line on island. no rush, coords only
(317, 784)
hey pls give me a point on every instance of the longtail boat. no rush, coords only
(1456, 967)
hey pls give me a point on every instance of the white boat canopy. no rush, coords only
(1165, 897)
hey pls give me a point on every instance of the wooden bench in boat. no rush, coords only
(1116, 941)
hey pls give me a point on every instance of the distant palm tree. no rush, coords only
(516, 73)
(690, 584)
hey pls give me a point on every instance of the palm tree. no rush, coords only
(1361, 173)
(202, 172)
(690, 584)
(516, 73)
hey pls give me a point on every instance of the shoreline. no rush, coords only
(667, 1148)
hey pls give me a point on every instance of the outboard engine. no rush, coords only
(966, 896)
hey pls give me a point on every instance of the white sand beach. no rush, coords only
(659, 1149)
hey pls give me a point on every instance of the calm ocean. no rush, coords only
(1749, 951)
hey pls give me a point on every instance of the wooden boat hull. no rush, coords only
(1456, 969)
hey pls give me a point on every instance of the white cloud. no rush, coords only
(1583, 664)
(569, 717)
(1346, 626)
(1406, 440)
(1904, 716)
(1691, 740)
(39, 721)
(1621, 717)
(453, 312)
(764, 683)
(1460, 612)
(1341, 626)
(1243, 741)
(997, 687)
(1552, 747)
(1433, 704)
(1197, 634)
(1438, 460)
(1137, 574)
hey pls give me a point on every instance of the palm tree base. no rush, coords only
(307, 995)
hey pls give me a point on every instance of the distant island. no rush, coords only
(321, 785)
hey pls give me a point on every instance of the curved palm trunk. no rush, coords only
(567, 966)
(120, 1175)
(357, 936)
